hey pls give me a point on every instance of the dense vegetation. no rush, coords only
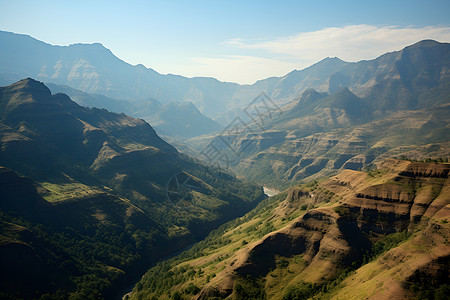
(93, 258)
(90, 261)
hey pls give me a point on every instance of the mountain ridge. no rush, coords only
(179, 120)
(211, 96)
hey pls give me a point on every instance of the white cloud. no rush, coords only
(349, 43)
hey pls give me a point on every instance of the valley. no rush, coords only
(94, 203)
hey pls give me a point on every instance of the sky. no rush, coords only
(237, 41)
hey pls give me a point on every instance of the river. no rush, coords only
(270, 192)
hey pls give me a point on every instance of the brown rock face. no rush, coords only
(426, 170)
(401, 201)
(318, 234)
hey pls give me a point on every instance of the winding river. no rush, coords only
(270, 192)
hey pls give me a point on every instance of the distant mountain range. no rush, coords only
(94, 69)
(371, 109)
(179, 120)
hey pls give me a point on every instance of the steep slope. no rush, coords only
(94, 167)
(53, 124)
(326, 239)
(55, 141)
(90, 246)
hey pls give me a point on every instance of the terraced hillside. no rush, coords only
(294, 157)
(380, 234)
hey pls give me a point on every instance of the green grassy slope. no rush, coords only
(324, 240)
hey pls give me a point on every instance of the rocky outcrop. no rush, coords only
(402, 201)
(317, 234)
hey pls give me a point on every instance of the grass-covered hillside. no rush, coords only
(103, 192)
(377, 234)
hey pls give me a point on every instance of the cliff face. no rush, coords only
(400, 196)
(319, 234)
(397, 202)
(419, 266)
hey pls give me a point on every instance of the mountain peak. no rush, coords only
(140, 66)
(308, 97)
(344, 94)
(335, 58)
(92, 45)
(325, 65)
(31, 85)
(425, 43)
(28, 81)
(331, 60)
(344, 91)
(94, 51)
(309, 92)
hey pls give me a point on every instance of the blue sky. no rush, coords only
(239, 41)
